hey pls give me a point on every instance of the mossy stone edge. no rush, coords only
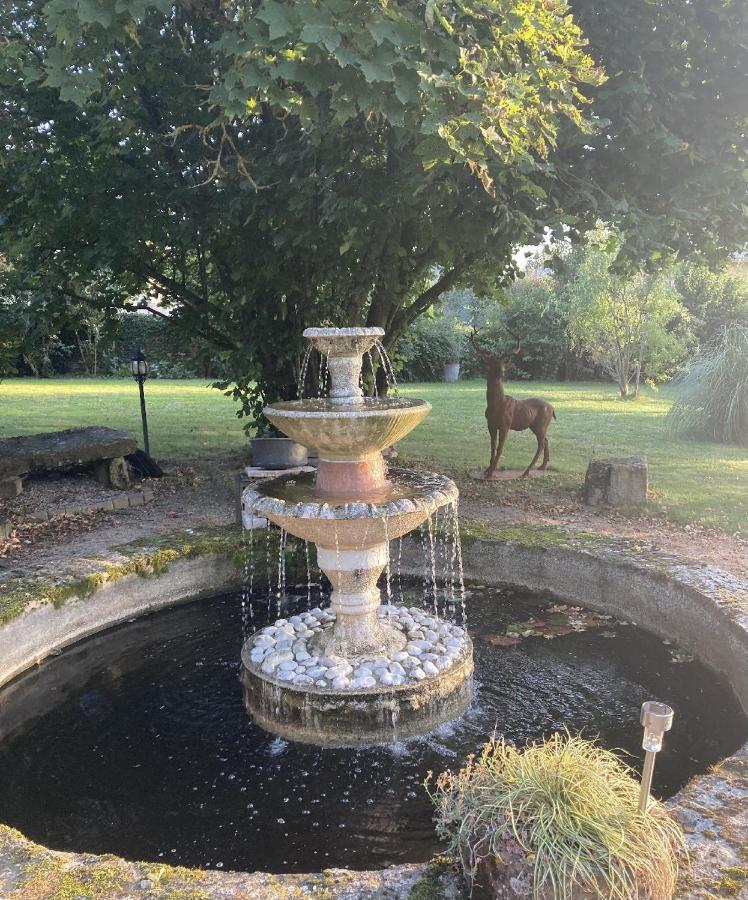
(712, 808)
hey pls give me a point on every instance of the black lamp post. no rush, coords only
(139, 369)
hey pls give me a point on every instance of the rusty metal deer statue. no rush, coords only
(505, 414)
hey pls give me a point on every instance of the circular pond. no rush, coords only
(136, 742)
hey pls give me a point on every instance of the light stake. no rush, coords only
(656, 718)
(139, 369)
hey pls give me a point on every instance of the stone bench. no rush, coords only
(103, 448)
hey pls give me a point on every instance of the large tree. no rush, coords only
(265, 166)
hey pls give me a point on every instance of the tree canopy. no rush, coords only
(251, 169)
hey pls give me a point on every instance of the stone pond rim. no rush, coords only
(705, 610)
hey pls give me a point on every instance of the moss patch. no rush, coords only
(731, 881)
(429, 886)
(541, 536)
(145, 558)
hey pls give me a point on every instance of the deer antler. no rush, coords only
(518, 338)
(481, 351)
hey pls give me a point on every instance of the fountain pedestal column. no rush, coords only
(355, 600)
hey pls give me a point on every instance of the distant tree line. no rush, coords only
(42, 339)
(581, 319)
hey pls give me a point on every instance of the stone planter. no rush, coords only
(277, 453)
(451, 372)
(512, 879)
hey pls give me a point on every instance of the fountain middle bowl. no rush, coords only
(347, 432)
(405, 501)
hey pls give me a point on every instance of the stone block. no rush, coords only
(10, 487)
(616, 482)
(121, 501)
(113, 473)
(148, 494)
(5, 530)
(136, 498)
(105, 506)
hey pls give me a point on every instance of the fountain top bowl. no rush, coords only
(340, 342)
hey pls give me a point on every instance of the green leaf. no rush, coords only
(97, 12)
(327, 35)
(277, 18)
(397, 34)
(374, 70)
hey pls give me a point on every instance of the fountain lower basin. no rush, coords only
(361, 700)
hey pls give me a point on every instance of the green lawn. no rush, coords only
(189, 420)
(186, 419)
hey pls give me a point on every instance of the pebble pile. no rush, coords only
(281, 651)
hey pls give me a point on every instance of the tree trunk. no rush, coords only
(642, 345)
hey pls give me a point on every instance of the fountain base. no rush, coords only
(330, 701)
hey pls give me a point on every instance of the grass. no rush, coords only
(693, 481)
(187, 419)
(568, 810)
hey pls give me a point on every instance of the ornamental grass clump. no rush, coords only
(563, 815)
(712, 401)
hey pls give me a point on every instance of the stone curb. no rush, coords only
(124, 500)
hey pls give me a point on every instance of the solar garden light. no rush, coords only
(139, 369)
(656, 718)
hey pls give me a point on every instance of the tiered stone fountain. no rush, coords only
(358, 672)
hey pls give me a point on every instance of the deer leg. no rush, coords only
(546, 454)
(541, 440)
(494, 433)
(497, 451)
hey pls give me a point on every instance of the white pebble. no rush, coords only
(274, 659)
(338, 672)
(421, 645)
(386, 678)
(418, 674)
(429, 668)
(341, 682)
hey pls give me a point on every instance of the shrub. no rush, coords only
(570, 808)
(424, 350)
(712, 401)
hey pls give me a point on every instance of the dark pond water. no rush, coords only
(135, 742)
